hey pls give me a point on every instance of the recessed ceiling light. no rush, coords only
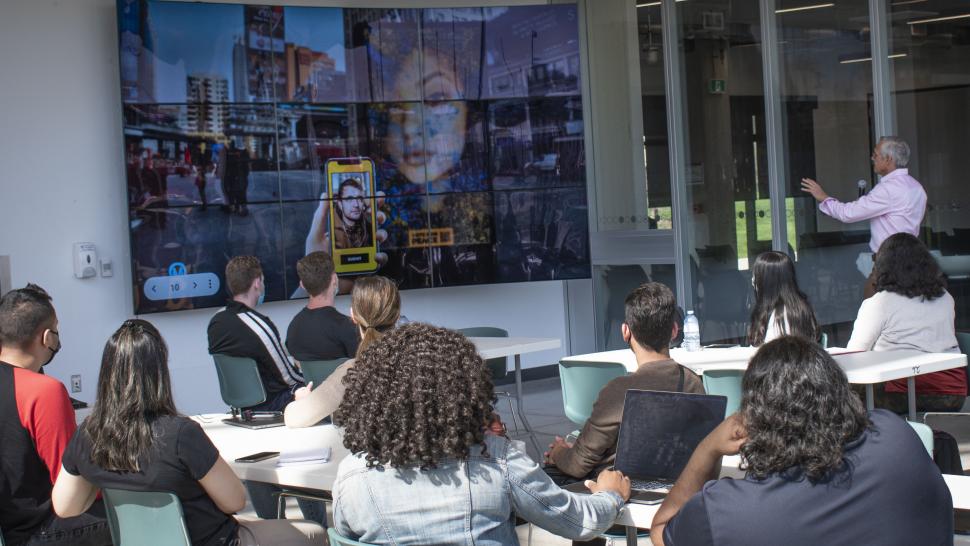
(805, 8)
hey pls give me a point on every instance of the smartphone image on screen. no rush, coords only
(353, 218)
(256, 457)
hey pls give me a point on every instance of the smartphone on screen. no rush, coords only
(256, 457)
(353, 215)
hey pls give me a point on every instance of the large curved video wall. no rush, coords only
(438, 147)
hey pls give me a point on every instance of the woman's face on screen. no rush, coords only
(426, 140)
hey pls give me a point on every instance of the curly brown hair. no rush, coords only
(418, 396)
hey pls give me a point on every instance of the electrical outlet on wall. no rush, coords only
(75, 384)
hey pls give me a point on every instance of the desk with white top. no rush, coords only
(864, 368)
(498, 347)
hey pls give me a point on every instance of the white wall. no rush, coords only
(62, 181)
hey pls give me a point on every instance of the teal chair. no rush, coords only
(498, 366)
(241, 387)
(337, 540)
(317, 371)
(145, 518)
(725, 383)
(824, 340)
(925, 434)
(582, 382)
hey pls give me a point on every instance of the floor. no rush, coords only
(543, 409)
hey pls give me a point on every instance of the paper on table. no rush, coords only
(304, 456)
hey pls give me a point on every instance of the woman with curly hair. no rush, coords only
(424, 471)
(819, 469)
(911, 310)
(375, 307)
(780, 307)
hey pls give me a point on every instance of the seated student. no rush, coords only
(36, 424)
(319, 331)
(911, 310)
(239, 330)
(375, 307)
(780, 308)
(135, 439)
(819, 469)
(650, 324)
(424, 471)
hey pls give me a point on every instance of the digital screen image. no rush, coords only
(470, 119)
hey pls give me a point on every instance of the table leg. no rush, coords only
(911, 397)
(631, 535)
(870, 396)
(518, 402)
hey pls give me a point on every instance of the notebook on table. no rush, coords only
(658, 434)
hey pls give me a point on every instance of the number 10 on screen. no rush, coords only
(353, 215)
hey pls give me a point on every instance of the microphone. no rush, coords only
(862, 187)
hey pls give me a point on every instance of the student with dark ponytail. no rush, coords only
(780, 308)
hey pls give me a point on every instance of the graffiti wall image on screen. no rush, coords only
(473, 118)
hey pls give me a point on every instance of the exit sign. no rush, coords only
(716, 87)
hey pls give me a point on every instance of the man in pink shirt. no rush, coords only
(895, 205)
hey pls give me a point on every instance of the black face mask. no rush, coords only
(53, 351)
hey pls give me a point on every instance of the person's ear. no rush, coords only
(626, 333)
(301, 285)
(674, 331)
(352, 317)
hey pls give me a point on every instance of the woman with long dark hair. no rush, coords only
(135, 439)
(375, 307)
(780, 308)
(422, 468)
(911, 309)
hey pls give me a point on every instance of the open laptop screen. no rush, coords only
(660, 430)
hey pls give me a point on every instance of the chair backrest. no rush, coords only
(725, 383)
(499, 366)
(145, 518)
(824, 340)
(582, 382)
(963, 340)
(925, 434)
(318, 371)
(239, 381)
(337, 540)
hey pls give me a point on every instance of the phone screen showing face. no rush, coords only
(256, 457)
(353, 215)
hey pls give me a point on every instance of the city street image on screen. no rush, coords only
(472, 119)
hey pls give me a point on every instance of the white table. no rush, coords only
(234, 442)
(863, 368)
(498, 347)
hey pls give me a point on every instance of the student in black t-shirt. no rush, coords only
(136, 440)
(319, 331)
(819, 469)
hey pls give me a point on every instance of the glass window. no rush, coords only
(930, 47)
(656, 158)
(826, 105)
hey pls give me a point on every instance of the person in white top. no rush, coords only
(911, 310)
(780, 308)
(895, 205)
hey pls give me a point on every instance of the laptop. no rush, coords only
(257, 420)
(658, 434)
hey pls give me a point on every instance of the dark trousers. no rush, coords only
(276, 401)
(88, 529)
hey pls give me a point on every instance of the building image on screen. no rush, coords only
(472, 117)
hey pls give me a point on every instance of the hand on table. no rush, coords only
(814, 188)
(318, 238)
(610, 480)
(557, 445)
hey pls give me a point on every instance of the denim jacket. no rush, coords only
(463, 502)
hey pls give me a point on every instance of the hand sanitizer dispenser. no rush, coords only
(85, 260)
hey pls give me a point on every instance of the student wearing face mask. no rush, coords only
(240, 330)
(36, 423)
(319, 331)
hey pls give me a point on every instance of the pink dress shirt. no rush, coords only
(895, 205)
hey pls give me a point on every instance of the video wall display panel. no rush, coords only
(438, 147)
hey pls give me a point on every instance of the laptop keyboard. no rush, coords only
(647, 485)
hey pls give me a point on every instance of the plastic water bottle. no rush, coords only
(692, 332)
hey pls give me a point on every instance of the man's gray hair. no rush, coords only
(896, 149)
